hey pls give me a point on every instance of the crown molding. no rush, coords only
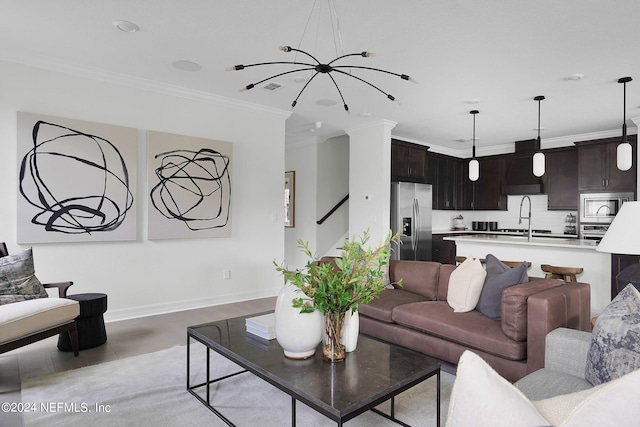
(74, 69)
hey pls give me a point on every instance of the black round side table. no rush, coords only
(91, 330)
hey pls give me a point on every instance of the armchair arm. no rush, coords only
(62, 287)
(566, 351)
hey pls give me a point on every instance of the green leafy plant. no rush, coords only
(337, 287)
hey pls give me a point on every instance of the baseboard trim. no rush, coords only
(191, 304)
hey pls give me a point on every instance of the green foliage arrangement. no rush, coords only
(337, 287)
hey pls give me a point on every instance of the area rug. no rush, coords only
(150, 390)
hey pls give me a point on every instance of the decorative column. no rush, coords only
(636, 121)
(370, 179)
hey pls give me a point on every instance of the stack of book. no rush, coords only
(262, 326)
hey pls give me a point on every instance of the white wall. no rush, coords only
(147, 277)
(303, 160)
(322, 180)
(332, 185)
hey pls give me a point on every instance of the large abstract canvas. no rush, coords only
(189, 182)
(76, 180)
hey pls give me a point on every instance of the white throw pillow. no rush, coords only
(481, 397)
(465, 285)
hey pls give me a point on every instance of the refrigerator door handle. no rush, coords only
(416, 216)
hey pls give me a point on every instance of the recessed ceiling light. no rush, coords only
(299, 79)
(187, 65)
(326, 102)
(126, 26)
(472, 101)
(576, 76)
(365, 114)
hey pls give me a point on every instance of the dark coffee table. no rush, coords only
(374, 373)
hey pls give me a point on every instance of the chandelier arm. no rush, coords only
(402, 76)
(242, 67)
(295, 101)
(344, 103)
(302, 51)
(364, 54)
(391, 97)
(252, 85)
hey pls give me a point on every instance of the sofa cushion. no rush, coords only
(546, 383)
(481, 397)
(18, 281)
(465, 285)
(419, 277)
(514, 305)
(28, 317)
(608, 404)
(499, 277)
(471, 329)
(381, 308)
(615, 342)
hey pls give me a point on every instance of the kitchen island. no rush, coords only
(546, 250)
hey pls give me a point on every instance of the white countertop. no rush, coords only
(523, 240)
(503, 233)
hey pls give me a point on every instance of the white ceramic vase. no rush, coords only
(297, 333)
(350, 331)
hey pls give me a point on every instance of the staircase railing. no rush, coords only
(333, 209)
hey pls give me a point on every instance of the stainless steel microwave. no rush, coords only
(601, 207)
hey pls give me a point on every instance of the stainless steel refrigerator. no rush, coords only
(411, 213)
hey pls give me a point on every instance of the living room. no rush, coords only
(144, 277)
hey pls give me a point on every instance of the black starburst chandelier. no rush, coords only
(319, 68)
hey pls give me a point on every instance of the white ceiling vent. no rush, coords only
(272, 86)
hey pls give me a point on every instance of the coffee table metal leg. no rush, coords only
(208, 377)
(438, 400)
(293, 411)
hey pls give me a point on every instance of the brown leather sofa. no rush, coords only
(417, 316)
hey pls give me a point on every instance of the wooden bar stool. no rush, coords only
(568, 274)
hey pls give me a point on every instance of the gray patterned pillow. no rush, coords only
(17, 278)
(615, 342)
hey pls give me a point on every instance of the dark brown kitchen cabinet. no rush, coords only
(443, 173)
(443, 251)
(408, 161)
(487, 190)
(465, 187)
(561, 179)
(597, 170)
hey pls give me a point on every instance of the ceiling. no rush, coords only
(500, 53)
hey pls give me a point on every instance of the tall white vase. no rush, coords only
(297, 333)
(350, 331)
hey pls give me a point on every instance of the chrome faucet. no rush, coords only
(529, 234)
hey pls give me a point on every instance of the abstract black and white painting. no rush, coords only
(76, 180)
(189, 182)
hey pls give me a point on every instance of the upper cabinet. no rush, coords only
(561, 179)
(408, 161)
(597, 170)
(443, 173)
(487, 190)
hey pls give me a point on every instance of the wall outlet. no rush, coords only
(226, 274)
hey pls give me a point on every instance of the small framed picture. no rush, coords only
(289, 199)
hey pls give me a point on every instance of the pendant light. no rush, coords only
(624, 159)
(538, 157)
(474, 166)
